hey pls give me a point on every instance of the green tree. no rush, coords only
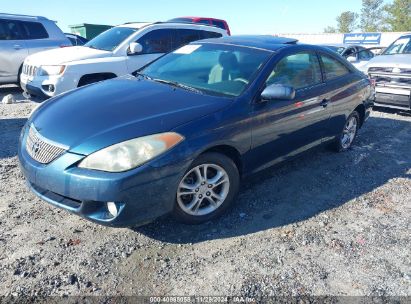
(372, 16)
(398, 16)
(330, 29)
(347, 22)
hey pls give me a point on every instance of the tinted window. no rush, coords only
(333, 68)
(206, 35)
(204, 21)
(110, 39)
(10, 30)
(298, 71)
(219, 24)
(365, 55)
(157, 41)
(34, 30)
(186, 36)
(180, 20)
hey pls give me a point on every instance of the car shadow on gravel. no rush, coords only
(10, 90)
(302, 188)
(9, 136)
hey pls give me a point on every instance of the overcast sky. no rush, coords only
(244, 17)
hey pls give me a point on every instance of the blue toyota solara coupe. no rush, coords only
(178, 135)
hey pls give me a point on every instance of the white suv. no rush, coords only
(21, 36)
(116, 52)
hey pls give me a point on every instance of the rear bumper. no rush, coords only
(141, 194)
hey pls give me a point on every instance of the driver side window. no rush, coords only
(298, 71)
(157, 41)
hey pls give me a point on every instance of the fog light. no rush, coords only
(112, 208)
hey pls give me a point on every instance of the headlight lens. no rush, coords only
(132, 153)
(51, 70)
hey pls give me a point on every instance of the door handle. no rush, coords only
(324, 103)
(17, 47)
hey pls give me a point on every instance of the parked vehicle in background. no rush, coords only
(21, 36)
(115, 52)
(178, 137)
(357, 55)
(391, 73)
(203, 20)
(76, 40)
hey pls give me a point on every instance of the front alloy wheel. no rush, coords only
(207, 189)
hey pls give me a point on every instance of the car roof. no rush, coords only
(267, 42)
(205, 27)
(22, 17)
(194, 17)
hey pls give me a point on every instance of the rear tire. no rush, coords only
(207, 189)
(349, 133)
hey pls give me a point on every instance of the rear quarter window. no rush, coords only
(34, 30)
(333, 68)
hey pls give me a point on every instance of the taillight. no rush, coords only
(372, 81)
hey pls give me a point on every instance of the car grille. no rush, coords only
(388, 76)
(29, 70)
(41, 149)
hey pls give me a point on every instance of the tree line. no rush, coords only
(375, 16)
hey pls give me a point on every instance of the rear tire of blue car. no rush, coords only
(208, 188)
(349, 133)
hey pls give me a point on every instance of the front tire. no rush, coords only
(207, 189)
(346, 138)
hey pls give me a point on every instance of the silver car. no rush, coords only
(21, 36)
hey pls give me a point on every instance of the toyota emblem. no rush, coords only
(35, 147)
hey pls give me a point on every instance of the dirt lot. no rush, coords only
(325, 224)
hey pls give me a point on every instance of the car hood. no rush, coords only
(399, 60)
(109, 112)
(65, 55)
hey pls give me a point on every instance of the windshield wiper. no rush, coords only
(137, 73)
(178, 85)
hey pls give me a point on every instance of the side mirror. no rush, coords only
(352, 59)
(135, 48)
(278, 91)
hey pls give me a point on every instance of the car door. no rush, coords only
(283, 128)
(344, 87)
(13, 50)
(155, 43)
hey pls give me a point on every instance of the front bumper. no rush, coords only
(393, 96)
(141, 194)
(40, 86)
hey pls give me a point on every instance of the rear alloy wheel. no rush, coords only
(349, 132)
(207, 189)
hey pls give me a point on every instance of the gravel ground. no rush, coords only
(324, 224)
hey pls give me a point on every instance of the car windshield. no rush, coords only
(400, 46)
(214, 69)
(110, 39)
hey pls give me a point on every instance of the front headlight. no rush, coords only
(51, 70)
(132, 153)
